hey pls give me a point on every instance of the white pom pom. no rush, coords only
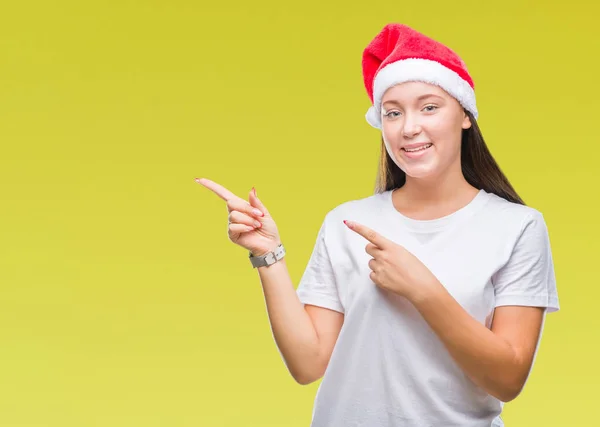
(373, 118)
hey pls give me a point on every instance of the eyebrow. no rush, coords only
(420, 98)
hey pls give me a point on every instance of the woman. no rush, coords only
(423, 304)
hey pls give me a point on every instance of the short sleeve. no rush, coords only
(317, 285)
(527, 278)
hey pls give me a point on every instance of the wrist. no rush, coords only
(268, 256)
(261, 252)
(425, 293)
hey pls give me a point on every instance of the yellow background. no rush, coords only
(122, 302)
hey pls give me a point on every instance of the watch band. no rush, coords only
(269, 258)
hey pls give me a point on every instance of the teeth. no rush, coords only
(411, 150)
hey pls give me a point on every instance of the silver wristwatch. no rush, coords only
(268, 258)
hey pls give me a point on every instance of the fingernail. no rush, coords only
(257, 212)
(257, 224)
(348, 223)
(254, 191)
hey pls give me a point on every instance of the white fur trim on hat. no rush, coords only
(421, 70)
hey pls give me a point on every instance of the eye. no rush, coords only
(392, 114)
(430, 108)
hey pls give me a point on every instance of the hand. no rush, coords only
(250, 224)
(393, 267)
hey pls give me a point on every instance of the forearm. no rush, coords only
(292, 328)
(487, 359)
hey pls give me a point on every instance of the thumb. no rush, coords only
(255, 202)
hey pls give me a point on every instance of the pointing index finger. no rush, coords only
(218, 189)
(369, 234)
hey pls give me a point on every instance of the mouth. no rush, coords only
(415, 151)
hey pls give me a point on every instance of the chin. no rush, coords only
(420, 171)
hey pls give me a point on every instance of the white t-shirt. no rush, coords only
(388, 368)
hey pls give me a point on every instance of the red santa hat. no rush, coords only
(400, 54)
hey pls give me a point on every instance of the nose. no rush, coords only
(411, 126)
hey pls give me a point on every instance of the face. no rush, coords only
(422, 128)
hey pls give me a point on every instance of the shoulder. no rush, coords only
(368, 210)
(506, 213)
(357, 209)
(516, 227)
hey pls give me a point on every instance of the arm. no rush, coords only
(305, 335)
(497, 360)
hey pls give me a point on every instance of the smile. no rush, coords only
(416, 152)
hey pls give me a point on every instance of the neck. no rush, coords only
(451, 186)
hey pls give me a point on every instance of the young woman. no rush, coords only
(423, 304)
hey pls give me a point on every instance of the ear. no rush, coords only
(466, 123)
